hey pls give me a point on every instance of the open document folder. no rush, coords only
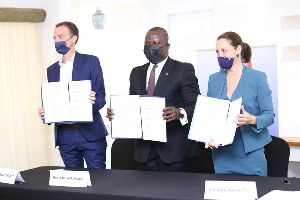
(214, 119)
(67, 102)
(138, 117)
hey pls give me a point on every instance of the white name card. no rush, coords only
(279, 194)
(245, 190)
(70, 178)
(10, 176)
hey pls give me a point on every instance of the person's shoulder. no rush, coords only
(218, 74)
(140, 67)
(179, 63)
(179, 66)
(54, 65)
(85, 56)
(254, 72)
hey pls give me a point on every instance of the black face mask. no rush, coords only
(153, 53)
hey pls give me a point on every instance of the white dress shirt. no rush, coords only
(184, 119)
(66, 69)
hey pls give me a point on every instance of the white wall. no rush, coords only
(257, 25)
(20, 3)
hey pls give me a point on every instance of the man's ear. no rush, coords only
(74, 39)
(168, 46)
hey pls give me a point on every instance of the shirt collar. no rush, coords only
(70, 60)
(159, 65)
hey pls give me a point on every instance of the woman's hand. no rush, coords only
(211, 144)
(245, 118)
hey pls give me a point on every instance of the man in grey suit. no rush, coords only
(176, 81)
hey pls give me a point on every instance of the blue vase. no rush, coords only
(99, 19)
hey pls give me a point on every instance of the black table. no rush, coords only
(129, 184)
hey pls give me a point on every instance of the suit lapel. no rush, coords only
(243, 81)
(220, 84)
(56, 73)
(241, 85)
(143, 77)
(77, 67)
(165, 73)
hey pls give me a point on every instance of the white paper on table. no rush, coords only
(81, 108)
(10, 176)
(67, 102)
(55, 100)
(279, 194)
(127, 119)
(214, 119)
(153, 124)
(69, 178)
(233, 190)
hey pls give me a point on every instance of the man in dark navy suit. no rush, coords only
(176, 81)
(81, 141)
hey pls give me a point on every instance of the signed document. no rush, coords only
(67, 102)
(153, 124)
(138, 117)
(127, 119)
(214, 119)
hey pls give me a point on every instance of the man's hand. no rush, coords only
(41, 113)
(92, 97)
(110, 113)
(171, 114)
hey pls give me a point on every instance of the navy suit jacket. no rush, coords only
(86, 67)
(178, 84)
(257, 101)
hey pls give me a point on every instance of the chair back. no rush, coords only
(277, 155)
(122, 154)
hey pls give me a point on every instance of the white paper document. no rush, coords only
(10, 176)
(214, 119)
(231, 190)
(127, 119)
(138, 117)
(66, 102)
(153, 124)
(69, 178)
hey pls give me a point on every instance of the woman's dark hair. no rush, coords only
(235, 41)
(72, 27)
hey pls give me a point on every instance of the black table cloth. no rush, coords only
(130, 184)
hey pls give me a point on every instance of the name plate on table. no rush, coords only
(245, 190)
(10, 176)
(70, 178)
